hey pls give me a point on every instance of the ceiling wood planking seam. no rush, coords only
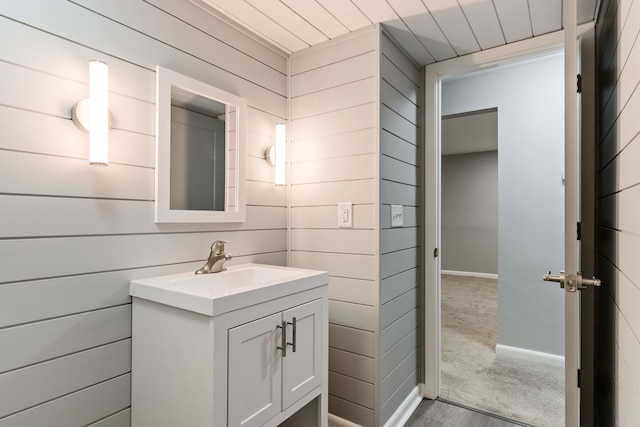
(421, 23)
(290, 20)
(515, 19)
(546, 16)
(255, 21)
(318, 16)
(347, 13)
(377, 10)
(451, 20)
(483, 19)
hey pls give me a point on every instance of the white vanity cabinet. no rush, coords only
(225, 365)
(266, 379)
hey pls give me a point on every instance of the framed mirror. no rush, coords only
(200, 146)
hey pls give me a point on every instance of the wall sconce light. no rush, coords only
(92, 114)
(276, 154)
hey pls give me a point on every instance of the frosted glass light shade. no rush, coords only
(281, 154)
(92, 114)
(98, 113)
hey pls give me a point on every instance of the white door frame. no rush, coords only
(434, 74)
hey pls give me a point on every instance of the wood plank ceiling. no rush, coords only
(430, 30)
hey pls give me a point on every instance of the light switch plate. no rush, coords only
(397, 214)
(345, 215)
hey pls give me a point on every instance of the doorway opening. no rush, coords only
(473, 374)
(529, 317)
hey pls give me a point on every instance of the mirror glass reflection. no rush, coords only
(198, 152)
(200, 146)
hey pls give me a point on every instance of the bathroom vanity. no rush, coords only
(244, 347)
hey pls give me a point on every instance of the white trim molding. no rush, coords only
(336, 421)
(399, 418)
(470, 274)
(531, 355)
(404, 411)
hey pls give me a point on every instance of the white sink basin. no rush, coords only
(216, 293)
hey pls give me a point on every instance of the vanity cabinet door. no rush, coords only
(302, 368)
(254, 390)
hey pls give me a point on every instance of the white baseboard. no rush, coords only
(403, 413)
(399, 418)
(525, 354)
(470, 274)
(336, 421)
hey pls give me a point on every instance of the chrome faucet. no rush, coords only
(217, 258)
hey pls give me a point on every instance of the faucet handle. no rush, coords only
(218, 246)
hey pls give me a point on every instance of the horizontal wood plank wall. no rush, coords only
(400, 185)
(618, 234)
(73, 236)
(333, 159)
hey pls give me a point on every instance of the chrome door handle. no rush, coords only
(583, 283)
(572, 282)
(559, 279)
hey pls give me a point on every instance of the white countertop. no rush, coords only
(217, 293)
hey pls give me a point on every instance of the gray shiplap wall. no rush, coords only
(354, 120)
(73, 236)
(400, 120)
(618, 216)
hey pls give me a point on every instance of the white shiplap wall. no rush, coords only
(355, 127)
(333, 154)
(618, 244)
(73, 236)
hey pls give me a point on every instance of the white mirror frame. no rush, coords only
(165, 80)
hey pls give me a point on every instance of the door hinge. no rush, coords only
(579, 231)
(579, 83)
(435, 253)
(579, 378)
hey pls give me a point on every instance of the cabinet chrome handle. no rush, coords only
(293, 323)
(283, 339)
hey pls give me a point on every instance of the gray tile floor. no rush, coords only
(436, 413)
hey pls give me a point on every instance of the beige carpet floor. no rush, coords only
(473, 375)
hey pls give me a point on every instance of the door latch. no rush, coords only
(571, 282)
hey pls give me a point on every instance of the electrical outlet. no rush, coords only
(345, 215)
